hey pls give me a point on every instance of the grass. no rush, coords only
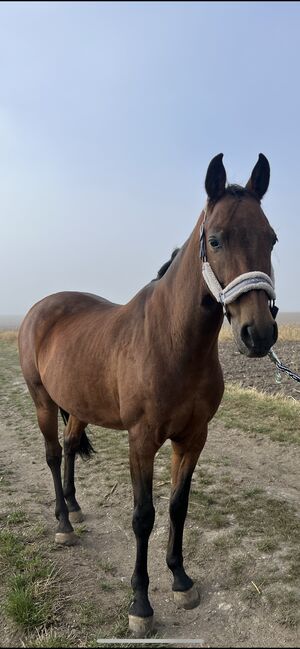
(23, 606)
(256, 536)
(286, 332)
(107, 566)
(289, 332)
(120, 628)
(10, 335)
(89, 614)
(30, 580)
(16, 517)
(51, 638)
(239, 567)
(259, 413)
(268, 545)
(224, 506)
(10, 548)
(258, 543)
(16, 406)
(286, 605)
(106, 585)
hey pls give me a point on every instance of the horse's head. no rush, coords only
(238, 241)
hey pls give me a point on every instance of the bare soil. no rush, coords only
(243, 582)
(261, 373)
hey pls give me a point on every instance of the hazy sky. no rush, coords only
(109, 116)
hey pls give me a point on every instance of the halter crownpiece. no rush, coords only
(254, 280)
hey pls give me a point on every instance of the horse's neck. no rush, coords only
(193, 318)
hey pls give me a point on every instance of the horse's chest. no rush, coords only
(171, 410)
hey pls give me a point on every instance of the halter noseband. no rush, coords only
(254, 280)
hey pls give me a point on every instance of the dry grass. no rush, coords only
(226, 333)
(10, 335)
(286, 333)
(259, 413)
(289, 332)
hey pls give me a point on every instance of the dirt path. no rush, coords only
(225, 618)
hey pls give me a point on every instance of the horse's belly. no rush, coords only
(87, 398)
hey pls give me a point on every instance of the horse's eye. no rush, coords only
(214, 242)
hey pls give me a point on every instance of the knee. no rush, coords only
(53, 456)
(71, 445)
(143, 519)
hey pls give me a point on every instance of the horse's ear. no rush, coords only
(215, 180)
(260, 177)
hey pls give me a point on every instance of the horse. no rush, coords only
(151, 366)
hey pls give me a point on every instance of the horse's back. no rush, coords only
(66, 303)
(50, 316)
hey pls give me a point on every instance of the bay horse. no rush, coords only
(151, 366)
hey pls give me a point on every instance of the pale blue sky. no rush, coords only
(109, 116)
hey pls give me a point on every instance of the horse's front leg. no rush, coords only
(184, 461)
(142, 455)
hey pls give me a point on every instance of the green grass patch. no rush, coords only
(106, 585)
(11, 548)
(259, 413)
(286, 605)
(50, 638)
(24, 607)
(16, 517)
(30, 581)
(268, 545)
(107, 566)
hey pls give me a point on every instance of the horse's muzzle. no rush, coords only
(256, 342)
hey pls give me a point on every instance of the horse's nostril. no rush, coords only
(246, 336)
(259, 341)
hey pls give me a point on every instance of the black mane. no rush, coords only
(166, 265)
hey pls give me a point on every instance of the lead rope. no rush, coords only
(282, 368)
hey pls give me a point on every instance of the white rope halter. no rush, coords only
(241, 284)
(254, 280)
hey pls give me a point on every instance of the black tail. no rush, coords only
(85, 447)
(65, 415)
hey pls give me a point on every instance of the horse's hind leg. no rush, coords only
(47, 420)
(72, 438)
(184, 460)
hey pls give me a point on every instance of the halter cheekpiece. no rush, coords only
(254, 280)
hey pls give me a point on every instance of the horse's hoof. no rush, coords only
(188, 598)
(66, 538)
(140, 626)
(76, 517)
